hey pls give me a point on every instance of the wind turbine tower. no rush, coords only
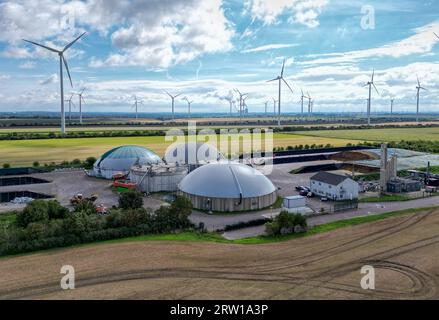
(280, 78)
(370, 84)
(70, 106)
(136, 104)
(173, 101)
(62, 60)
(418, 88)
(188, 105)
(81, 100)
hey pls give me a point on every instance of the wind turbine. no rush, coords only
(136, 103)
(266, 104)
(81, 100)
(70, 106)
(418, 88)
(173, 100)
(391, 106)
(280, 78)
(244, 104)
(369, 102)
(309, 103)
(188, 105)
(274, 105)
(241, 96)
(62, 60)
(301, 100)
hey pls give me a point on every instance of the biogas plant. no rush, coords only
(195, 170)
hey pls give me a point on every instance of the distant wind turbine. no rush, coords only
(62, 60)
(81, 100)
(369, 102)
(309, 103)
(391, 105)
(70, 106)
(136, 104)
(173, 101)
(280, 78)
(241, 96)
(418, 88)
(274, 106)
(266, 105)
(188, 105)
(301, 100)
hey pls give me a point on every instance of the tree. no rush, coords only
(36, 211)
(90, 161)
(6, 165)
(36, 164)
(131, 199)
(285, 222)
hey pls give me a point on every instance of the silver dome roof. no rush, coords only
(226, 180)
(124, 157)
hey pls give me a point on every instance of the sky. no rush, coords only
(205, 49)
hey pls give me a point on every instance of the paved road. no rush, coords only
(215, 222)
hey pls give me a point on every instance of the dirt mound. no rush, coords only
(353, 156)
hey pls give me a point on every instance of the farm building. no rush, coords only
(334, 186)
(192, 154)
(228, 187)
(121, 159)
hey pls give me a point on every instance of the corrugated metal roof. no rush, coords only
(226, 180)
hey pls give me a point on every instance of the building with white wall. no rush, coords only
(334, 186)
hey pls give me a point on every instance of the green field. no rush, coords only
(378, 134)
(25, 152)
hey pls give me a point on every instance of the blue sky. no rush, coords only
(204, 49)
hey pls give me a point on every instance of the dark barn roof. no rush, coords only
(329, 178)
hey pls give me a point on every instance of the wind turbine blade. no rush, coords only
(423, 88)
(273, 79)
(288, 85)
(436, 35)
(417, 78)
(67, 68)
(71, 43)
(43, 46)
(375, 88)
(301, 91)
(373, 74)
(283, 67)
(176, 96)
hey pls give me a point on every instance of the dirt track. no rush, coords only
(404, 251)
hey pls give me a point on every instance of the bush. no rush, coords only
(36, 164)
(131, 199)
(36, 211)
(76, 162)
(90, 161)
(6, 165)
(285, 223)
(41, 211)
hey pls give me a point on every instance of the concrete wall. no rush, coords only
(231, 205)
(158, 182)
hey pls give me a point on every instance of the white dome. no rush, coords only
(226, 180)
(192, 153)
(121, 159)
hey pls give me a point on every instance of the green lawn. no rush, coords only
(25, 152)
(377, 134)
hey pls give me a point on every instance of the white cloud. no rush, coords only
(52, 79)
(421, 42)
(4, 76)
(269, 47)
(161, 34)
(305, 12)
(27, 65)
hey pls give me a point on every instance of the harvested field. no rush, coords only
(403, 250)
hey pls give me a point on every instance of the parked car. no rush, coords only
(310, 195)
(324, 199)
(304, 193)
